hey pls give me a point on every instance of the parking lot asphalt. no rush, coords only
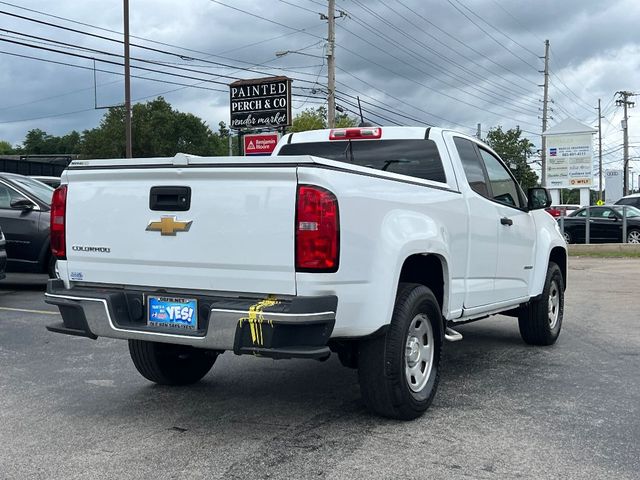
(75, 408)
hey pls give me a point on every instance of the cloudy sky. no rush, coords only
(451, 63)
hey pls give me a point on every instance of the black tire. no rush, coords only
(51, 267)
(169, 364)
(567, 237)
(386, 384)
(540, 320)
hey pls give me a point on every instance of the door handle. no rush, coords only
(506, 221)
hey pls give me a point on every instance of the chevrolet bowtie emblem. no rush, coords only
(169, 225)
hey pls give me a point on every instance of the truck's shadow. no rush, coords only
(276, 394)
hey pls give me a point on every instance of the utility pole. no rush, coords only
(127, 83)
(624, 102)
(545, 102)
(599, 152)
(479, 132)
(331, 66)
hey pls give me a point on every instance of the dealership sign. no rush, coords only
(260, 143)
(614, 185)
(260, 103)
(569, 161)
(569, 155)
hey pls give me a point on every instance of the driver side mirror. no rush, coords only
(22, 204)
(538, 198)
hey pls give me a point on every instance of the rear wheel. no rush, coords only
(168, 364)
(633, 236)
(399, 371)
(540, 320)
(51, 267)
(567, 237)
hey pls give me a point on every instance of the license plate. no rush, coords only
(173, 312)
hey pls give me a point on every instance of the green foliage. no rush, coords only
(158, 131)
(40, 142)
(5, 148)
(514, 151)
(316, 119)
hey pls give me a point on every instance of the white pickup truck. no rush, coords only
(371, 242)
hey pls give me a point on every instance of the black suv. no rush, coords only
(632, 200)
(24, 218)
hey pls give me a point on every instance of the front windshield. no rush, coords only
(38, 189)
(631, 211)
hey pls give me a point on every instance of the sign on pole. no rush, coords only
(569, 154)
(260, 103)
(260, 143)
(569, 161)
(613, 185)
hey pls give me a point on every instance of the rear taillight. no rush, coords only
(317, 230)
(58, 212)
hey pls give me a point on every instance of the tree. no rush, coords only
(39, 142)
(5, 148)
(514, 151)
(158, 131)
(316, 118)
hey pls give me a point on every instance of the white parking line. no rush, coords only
(26, 310)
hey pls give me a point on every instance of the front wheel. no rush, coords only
(399, 371)
(633, 236)
(540, 320)
(169, 364)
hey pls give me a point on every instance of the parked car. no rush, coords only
(605, 225)
(53, 182)
(632, 200)
(559, 210)
(3, 255)
(24, 218)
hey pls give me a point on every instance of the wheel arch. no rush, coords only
(430, 270)
(558, 255)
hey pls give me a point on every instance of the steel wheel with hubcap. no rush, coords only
(399, 370)
(554, 304)
(419, 353)
(540, 320)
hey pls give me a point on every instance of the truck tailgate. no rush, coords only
(241, 236)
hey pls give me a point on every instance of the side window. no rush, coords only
(6, 195)
(602, 213)
(472, 166)
(505, 189)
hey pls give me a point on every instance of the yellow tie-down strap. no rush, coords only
(256, 319)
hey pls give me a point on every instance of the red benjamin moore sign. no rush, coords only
(260, 143)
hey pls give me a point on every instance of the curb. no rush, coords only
(619, 248)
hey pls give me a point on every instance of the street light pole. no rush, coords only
(127, 84)
(331, 66)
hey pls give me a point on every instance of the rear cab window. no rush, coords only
(417, 158)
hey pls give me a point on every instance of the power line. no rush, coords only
(465, 45)
(497, 30)
(427, 87)
(140, 46)
(401, 47)
(164, 44)
(501, 44)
